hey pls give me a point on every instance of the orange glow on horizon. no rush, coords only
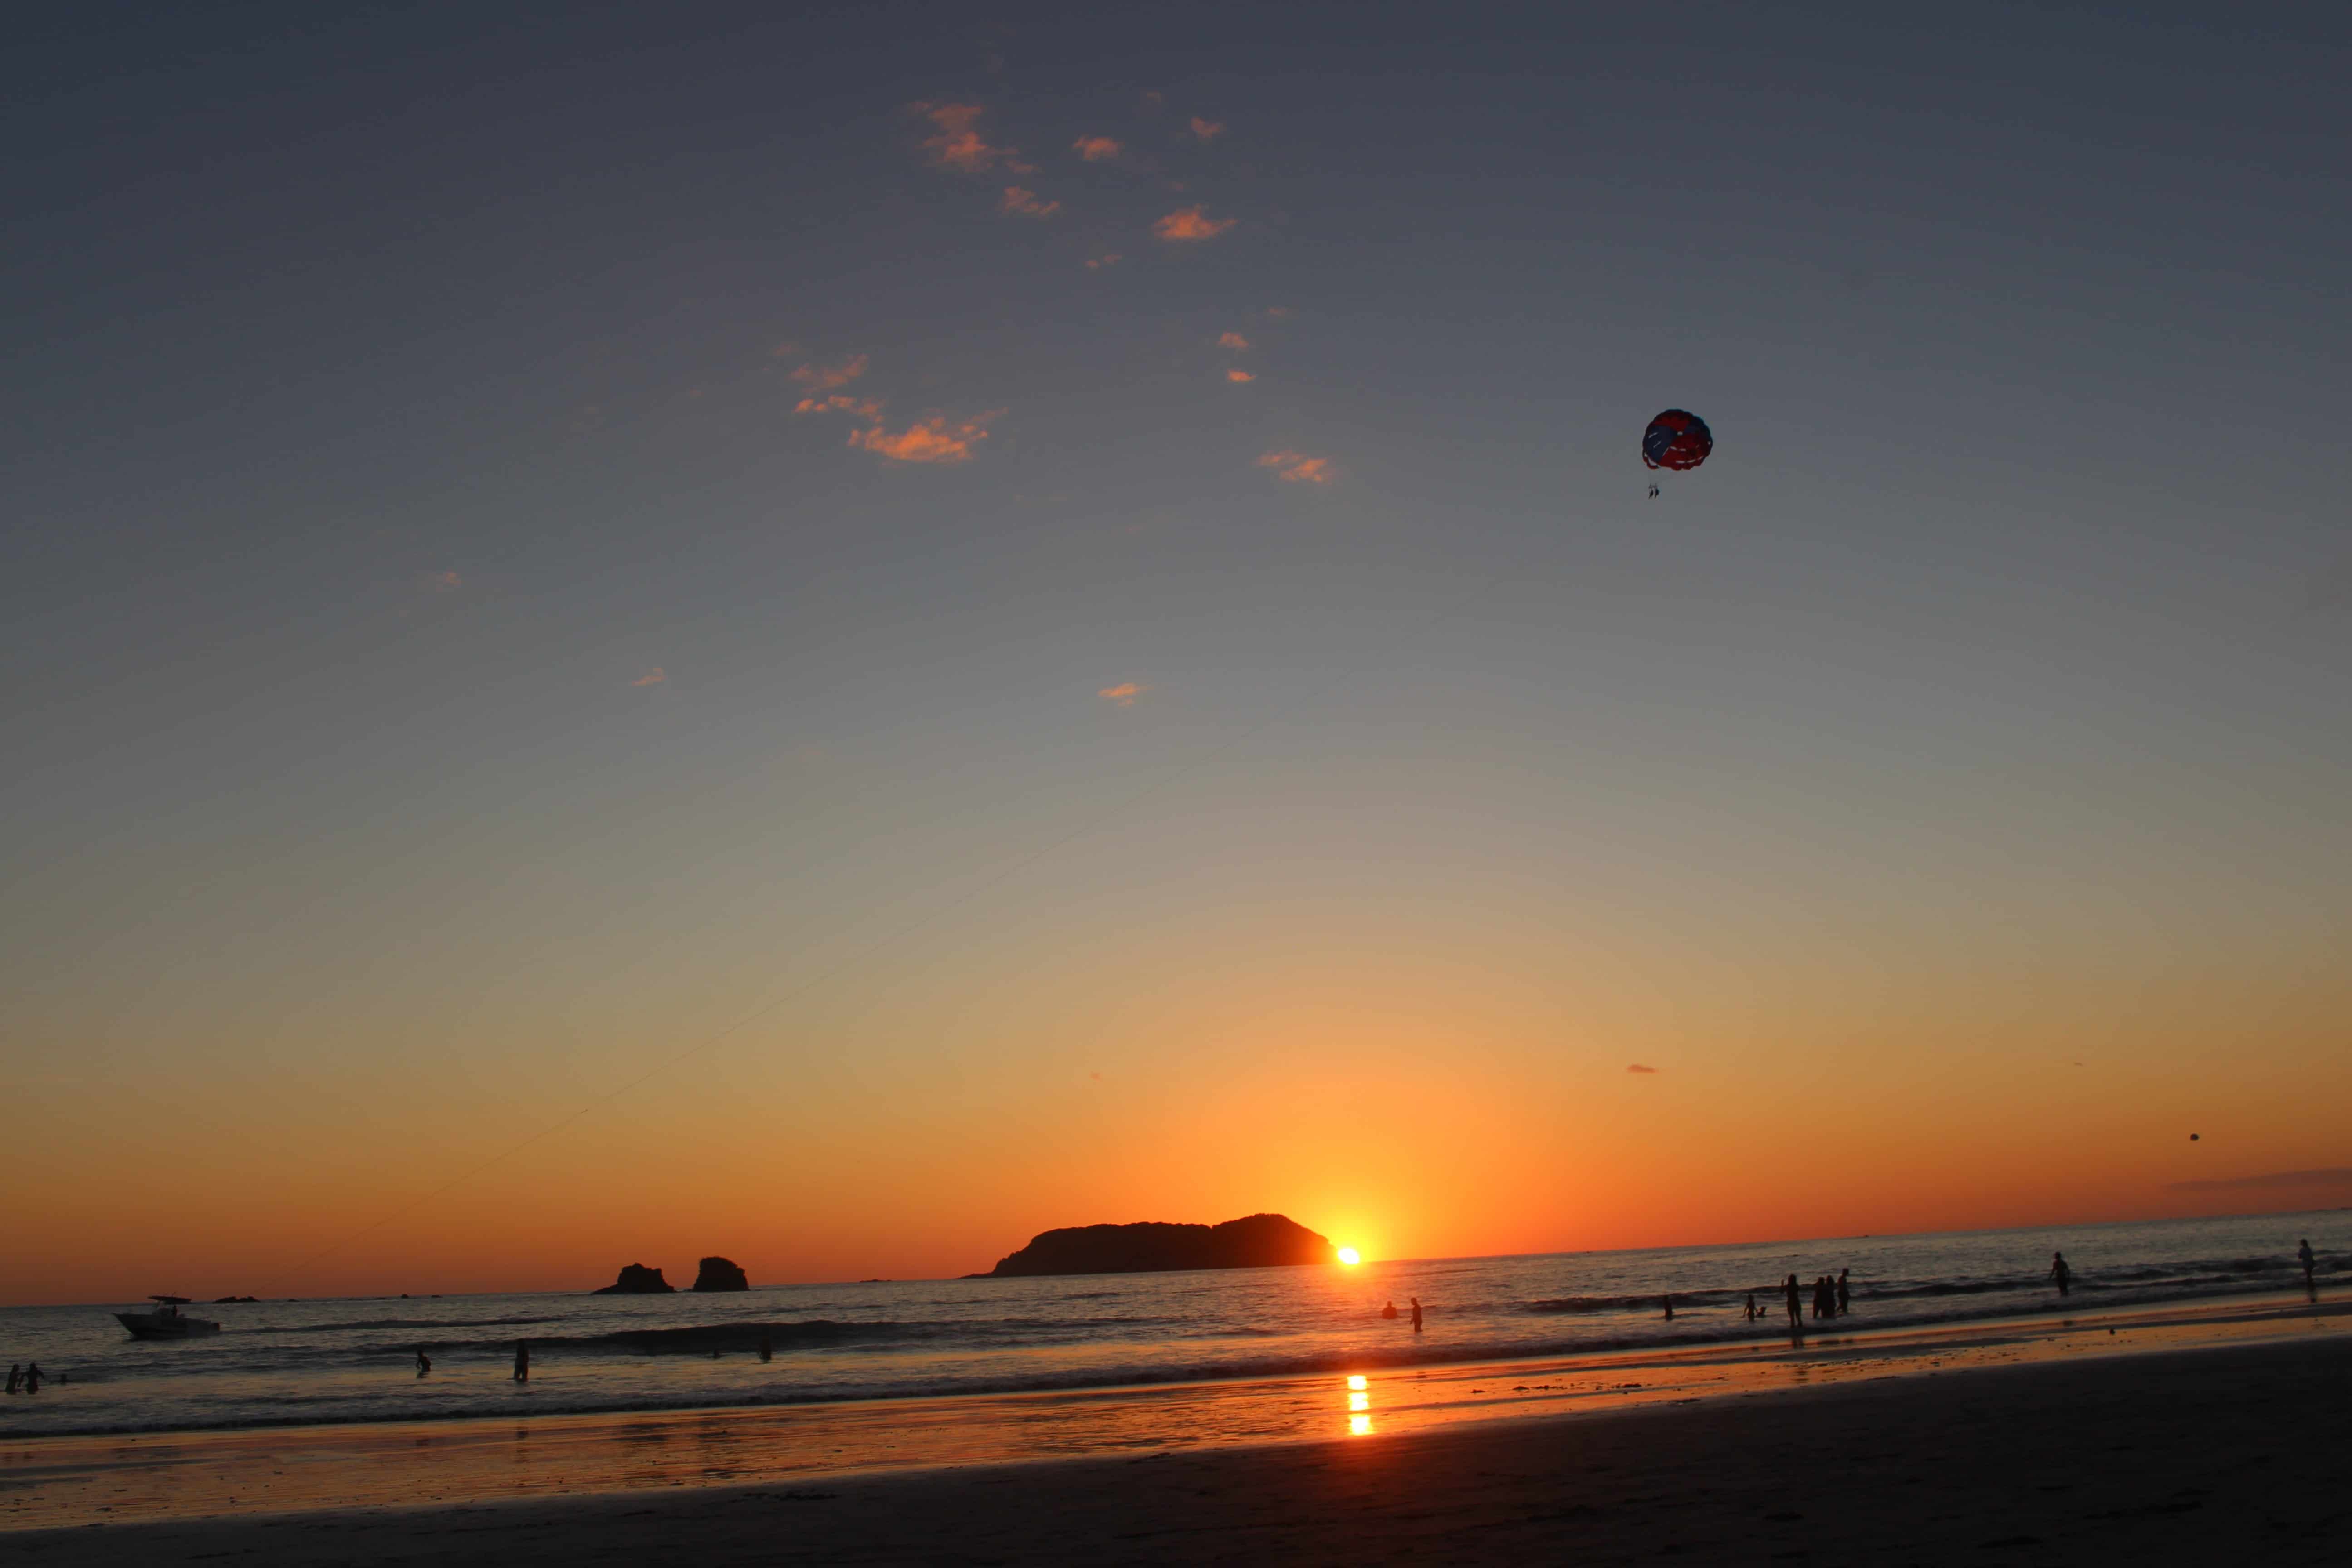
(1351, 1257)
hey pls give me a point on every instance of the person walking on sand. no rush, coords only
(522, 1361)
(2060, 1272)
(1416, 1313)
(2310, 1265)
(1845, 1293)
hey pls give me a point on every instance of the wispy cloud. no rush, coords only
(1108, 258)
(1123, 695)
(1208, 130)
(1017, 200)
(2329, 1176)
(1189, 224)
(1096, 148)
(1298, 468)
(932, 439)
(819, 378)
(653, 676)
(1239, 376)
(1637, 1066)
(1278, 311)
(1233, 341)
(841, 402)
(443, 582)
(955, 142)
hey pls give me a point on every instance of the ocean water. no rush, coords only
(344, 1360)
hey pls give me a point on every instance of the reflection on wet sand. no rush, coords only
(82, 1481)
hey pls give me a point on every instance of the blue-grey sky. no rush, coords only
(452, 680)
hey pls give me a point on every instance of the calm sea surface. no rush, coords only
(354, 1359)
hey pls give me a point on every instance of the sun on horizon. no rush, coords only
(1350, 1256)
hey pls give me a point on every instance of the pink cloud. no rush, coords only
(1238, 376)
(958, 143)
(1188, 223)
(1017, 200)
(653, 676)
(928, 440)
(1208, 130)
(841, 402)
(1096, 148)
(820, 378)
(1108, 258)
(1233, 341)
(1637, 1066)
(1298, 468)
(1123, 695)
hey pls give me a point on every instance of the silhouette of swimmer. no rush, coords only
(1416, 1314)
(1844, 1294)
(522, 1361)
(1796, 1317)
(1388, 1311)
(424, 1361)
(2060, 1272)
(2310, 1265)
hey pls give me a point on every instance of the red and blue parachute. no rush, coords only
(1676, 439)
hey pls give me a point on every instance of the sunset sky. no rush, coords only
(642, 631)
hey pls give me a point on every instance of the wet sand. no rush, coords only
(1991, 1446)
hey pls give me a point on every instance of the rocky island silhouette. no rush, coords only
(1258, 1241)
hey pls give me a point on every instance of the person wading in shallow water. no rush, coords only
(1416, 1314)
(1796, 1312)
(1845, 1293)
(424, 1361)
(2310, 1265)
(522, 1361)
(2060, 1272)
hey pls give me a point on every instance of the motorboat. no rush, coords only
(166, 1322)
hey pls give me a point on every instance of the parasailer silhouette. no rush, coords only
(1676, 440)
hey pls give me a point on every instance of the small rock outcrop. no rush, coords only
(636, 1279)
(1260, 1241)
(720, 1274)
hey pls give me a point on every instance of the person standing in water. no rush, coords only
(2310, 1265)
(1416, 1313)
(522, 1361)
(424, 1361)
(32, 1377)
(1845, 1293)
(1796, 1314)
(2060, 1272)
(1670, 1305)
(16, 1377)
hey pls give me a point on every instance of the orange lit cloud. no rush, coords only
(958, 143)
(1188, 223)
(841, 402)
(1637, 1066)
(1108, 258)
(1096, 148)
(928, 440)
(825, 377)
(1298, 468)
(1017, 200)
(1123, 695)
(1239, 376)
(1208, 130)
(653, 676)
(444, 581)
(1233, 341)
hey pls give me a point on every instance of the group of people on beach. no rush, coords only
(1832, 1297)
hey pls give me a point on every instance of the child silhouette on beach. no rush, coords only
(2060, 1272)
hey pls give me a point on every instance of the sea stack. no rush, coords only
(1260, 1241)
(720, 1274)
(636, 1279)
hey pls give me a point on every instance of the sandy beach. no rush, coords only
(2217, 1431)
